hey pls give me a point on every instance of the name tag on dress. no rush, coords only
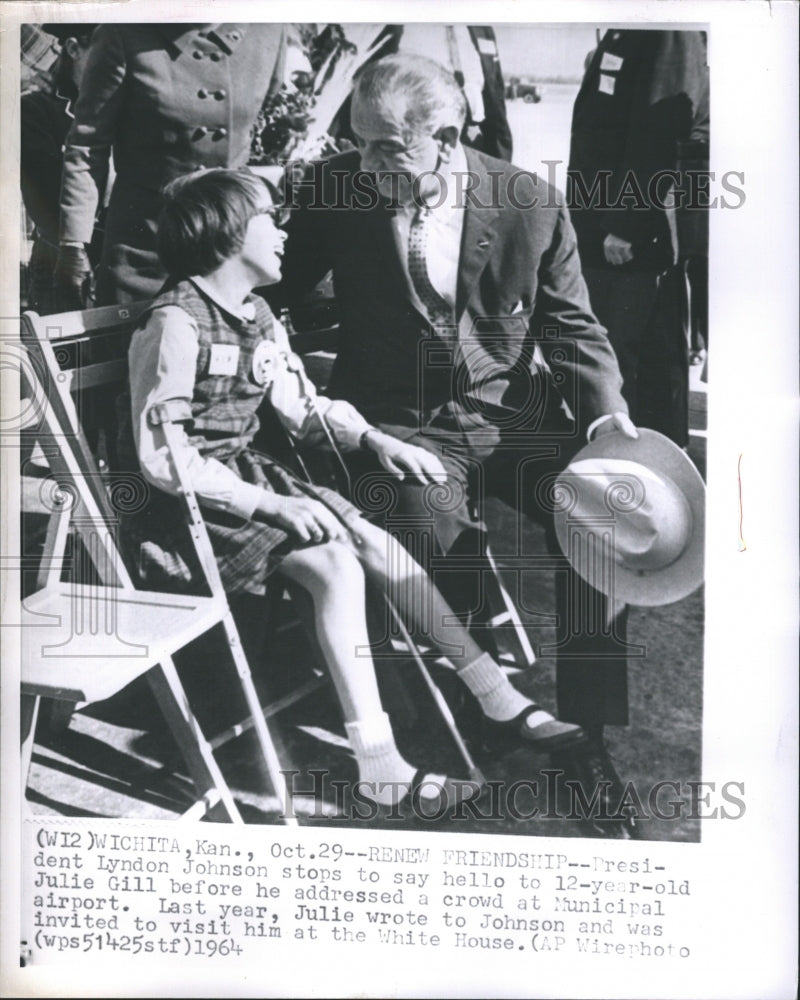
(224, 359)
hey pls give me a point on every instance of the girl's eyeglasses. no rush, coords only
(280, 214)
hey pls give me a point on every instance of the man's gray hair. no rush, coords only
(419, 94)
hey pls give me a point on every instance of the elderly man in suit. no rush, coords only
(466, 329)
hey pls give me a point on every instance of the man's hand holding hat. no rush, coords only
(630, 517)
(615, 422)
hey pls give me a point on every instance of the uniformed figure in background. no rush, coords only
(494, 131)
(46, 116)
(642, 103)
(166, 99)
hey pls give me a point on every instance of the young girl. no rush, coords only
(206, 354)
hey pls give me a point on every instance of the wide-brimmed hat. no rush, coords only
(630, 517)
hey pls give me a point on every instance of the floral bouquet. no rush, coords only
(299, 121)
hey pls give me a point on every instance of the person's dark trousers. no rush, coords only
(643, 313)
(697, 275)
(438, 525)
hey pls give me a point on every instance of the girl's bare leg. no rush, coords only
(394, 571)
(333, 576)
(335, 581)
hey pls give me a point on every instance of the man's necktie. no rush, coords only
(439, 312)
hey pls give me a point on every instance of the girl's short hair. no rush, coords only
(204, 219)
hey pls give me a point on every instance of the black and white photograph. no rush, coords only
(374, 498)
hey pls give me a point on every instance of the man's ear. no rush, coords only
(447, 137)
(71, 47)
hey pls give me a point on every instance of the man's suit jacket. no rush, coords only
(519, 284)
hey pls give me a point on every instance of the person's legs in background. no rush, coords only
(663, 377)
(642, 312)
(697, 277)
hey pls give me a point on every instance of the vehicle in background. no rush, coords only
(520, 87)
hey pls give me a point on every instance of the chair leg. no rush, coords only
(204, 770)
(263, 735)
(52, 561)
(507, 631)
(438, 698)
(393, 691)
(484, 605)
(29, 711)
(55, 715)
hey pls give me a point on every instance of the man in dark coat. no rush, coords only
(167, 99)
(644, 96)
(447, 348)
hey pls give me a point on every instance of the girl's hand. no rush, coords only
(306, 519)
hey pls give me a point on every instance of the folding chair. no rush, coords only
(84, 641)
(498, 621)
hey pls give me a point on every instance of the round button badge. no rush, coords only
(266, 359)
